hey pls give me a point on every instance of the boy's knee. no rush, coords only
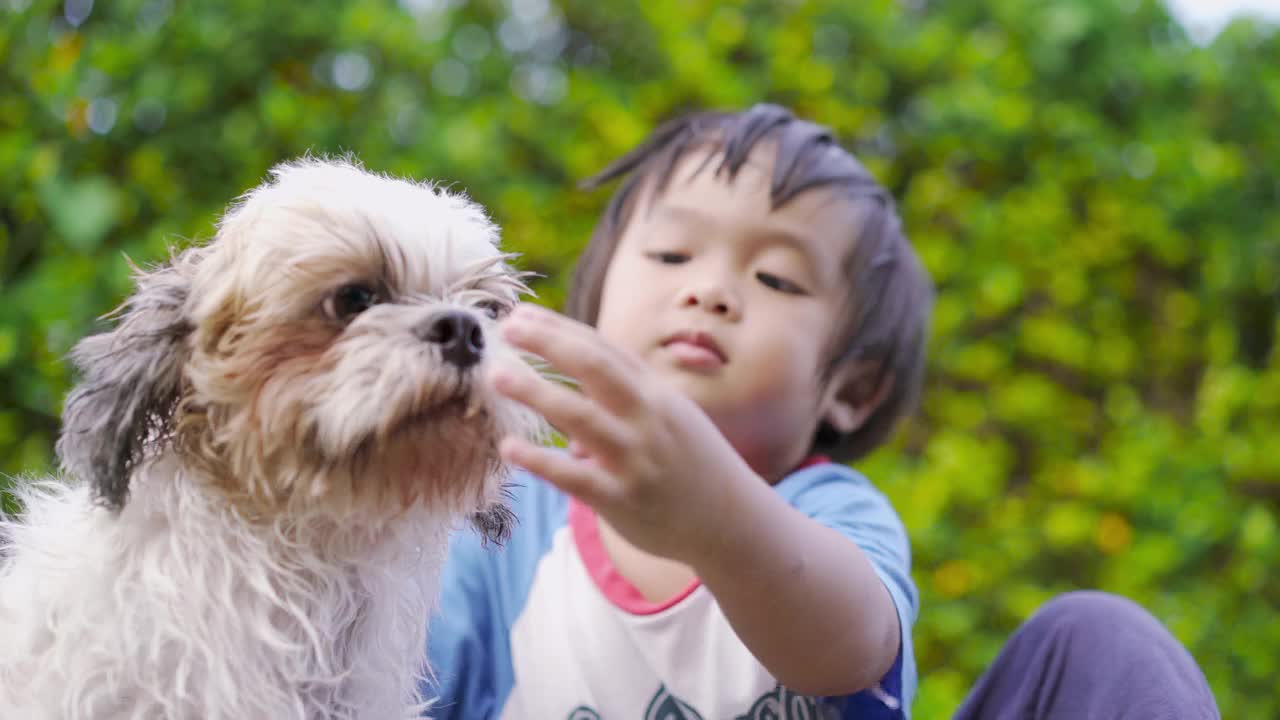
(1099, 618)
(1120, 652)
(1109, 630)
(1091, 609)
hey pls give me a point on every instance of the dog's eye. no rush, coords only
(493, 308)
(349, 301)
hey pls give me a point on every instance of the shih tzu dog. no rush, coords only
(266, 455)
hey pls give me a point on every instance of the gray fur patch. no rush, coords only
(130, 386)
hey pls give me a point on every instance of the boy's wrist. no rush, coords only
(738, 518)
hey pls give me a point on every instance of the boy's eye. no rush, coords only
(780, 284)
(669, 258)
(493, 309)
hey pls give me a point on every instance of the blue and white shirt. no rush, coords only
(545, 628)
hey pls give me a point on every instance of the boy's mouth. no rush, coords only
(699, 349)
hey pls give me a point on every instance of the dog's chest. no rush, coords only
(184, 623)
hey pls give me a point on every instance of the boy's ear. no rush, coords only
(853, 394)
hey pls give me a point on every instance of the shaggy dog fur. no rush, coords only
(266, 455)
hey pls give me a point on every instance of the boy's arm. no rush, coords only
(658, 470)
(842, 632)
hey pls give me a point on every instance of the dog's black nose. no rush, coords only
(459, 336)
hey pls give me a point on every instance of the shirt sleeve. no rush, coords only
(847, 502)
(483, 590)
(460, 682)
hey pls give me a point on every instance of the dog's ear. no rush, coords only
(130, 384)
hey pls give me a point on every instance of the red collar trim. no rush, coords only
(617, 589)
(814, 460)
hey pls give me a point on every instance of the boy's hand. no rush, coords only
(655, 467)
(642, 454)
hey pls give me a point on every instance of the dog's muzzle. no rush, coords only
(459, 336)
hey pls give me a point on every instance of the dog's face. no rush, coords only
(324, 351)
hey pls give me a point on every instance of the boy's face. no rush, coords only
(734, 303)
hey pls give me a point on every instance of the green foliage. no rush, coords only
(1095, 195)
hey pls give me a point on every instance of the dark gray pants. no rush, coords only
(1091, 656)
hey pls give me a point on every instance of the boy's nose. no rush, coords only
(712, 298)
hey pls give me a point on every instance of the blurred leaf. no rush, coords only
(82, 212)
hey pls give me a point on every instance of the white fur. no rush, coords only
(143, 617)
(280, 547)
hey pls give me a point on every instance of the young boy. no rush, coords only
(758, 314)
(748, 316)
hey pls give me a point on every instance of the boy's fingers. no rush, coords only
(580, 479)
(578, 451)
(577, 351)
(593, 429)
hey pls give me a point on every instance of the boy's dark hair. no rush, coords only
(890, 295)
